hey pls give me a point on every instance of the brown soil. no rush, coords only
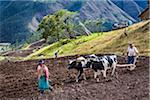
(18, 82)
(23, 53)
(19, 53)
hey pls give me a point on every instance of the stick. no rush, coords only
(132, 66)
(125, 65)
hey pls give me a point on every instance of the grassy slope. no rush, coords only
(2, 58)
(108, 42)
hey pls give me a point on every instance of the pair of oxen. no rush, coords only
(97, 63)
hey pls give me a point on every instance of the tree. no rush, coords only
(57, 24)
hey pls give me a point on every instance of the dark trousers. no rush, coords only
(131, 59)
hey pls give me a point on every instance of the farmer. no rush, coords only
(43, 76)
(132, 53)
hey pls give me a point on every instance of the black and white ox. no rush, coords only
(98, 64)
(79, 64)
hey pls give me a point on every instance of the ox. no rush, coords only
(102, 64)
(79, 64)
(98, 64)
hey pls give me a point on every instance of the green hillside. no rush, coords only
(115, 42)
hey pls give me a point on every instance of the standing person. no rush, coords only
(43, 76)
(132, 53)
(56, 53)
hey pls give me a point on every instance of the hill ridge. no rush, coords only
(107, 42)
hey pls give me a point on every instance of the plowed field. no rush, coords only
(18, 82)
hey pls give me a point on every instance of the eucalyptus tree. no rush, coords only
(57, 25)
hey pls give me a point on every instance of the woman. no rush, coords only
(43, 76)
(132, 53)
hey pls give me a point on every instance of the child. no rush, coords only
(56, 53)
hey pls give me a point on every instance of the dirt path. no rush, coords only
(19, 83)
